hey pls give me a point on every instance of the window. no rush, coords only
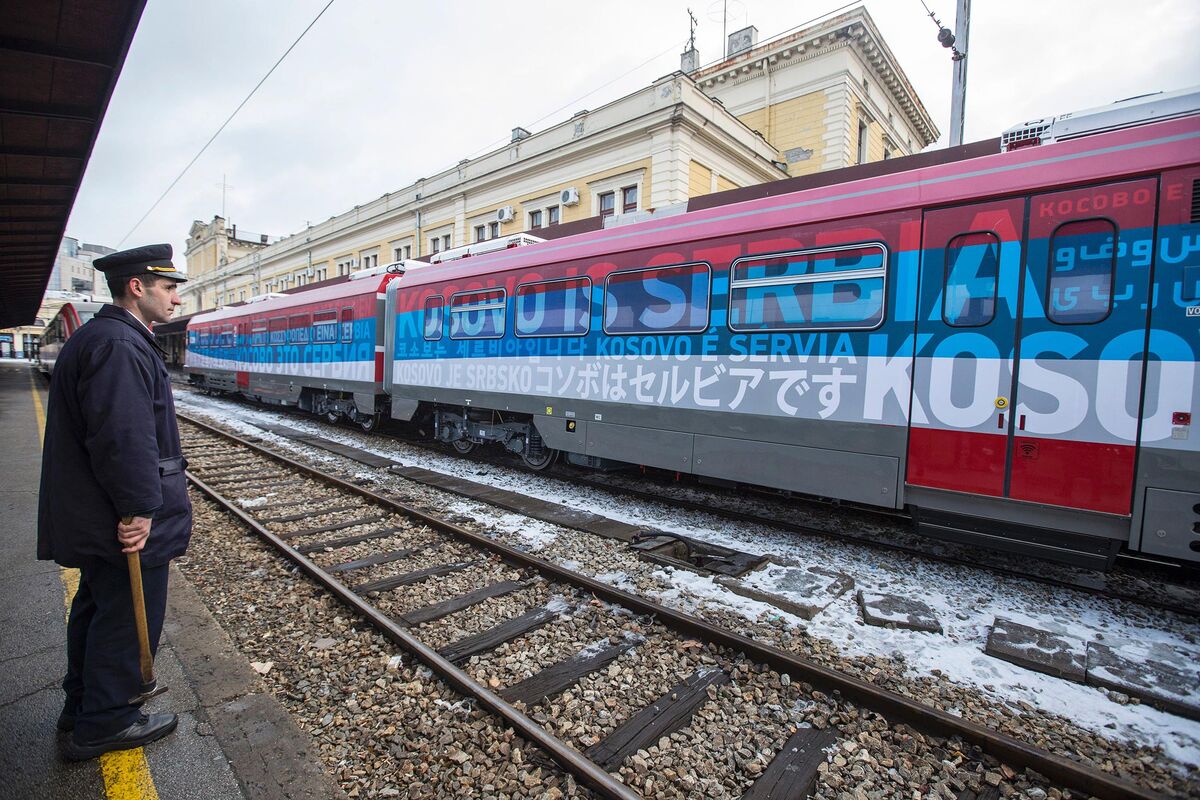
(345, 265)
(606, 204)
(972, 271)
(1083, 261)
(370, 260)
(863, 131)
(258, 333)
(401, 252)
(833, 287)
(480, 233)
(493, 230)
(535, 219)
(660, 300)
(552, 215)
(348, 324)
(278, 330)
(325, 328)
(298, 329)
(321, 274)
(433, 318)
(554, 308)
(227, 336)
(629, 199)
(446, 242)
(477, 315)
(435, 245)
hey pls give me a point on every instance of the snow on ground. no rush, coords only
(966, 600)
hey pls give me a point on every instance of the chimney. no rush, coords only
(689, 60)
(741, 41)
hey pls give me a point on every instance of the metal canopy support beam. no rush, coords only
(12, 44)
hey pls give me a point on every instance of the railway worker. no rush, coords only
(112, 452)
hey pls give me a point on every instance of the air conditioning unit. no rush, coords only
(504, 214)
(569, 197)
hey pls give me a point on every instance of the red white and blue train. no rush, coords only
(1003, 345)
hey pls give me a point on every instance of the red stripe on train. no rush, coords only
(1084, 475)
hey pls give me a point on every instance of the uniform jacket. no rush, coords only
(112, 447)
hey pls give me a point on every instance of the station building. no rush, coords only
(828, 96)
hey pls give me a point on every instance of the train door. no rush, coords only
(1027, 381)
(966, 324)
(1082, 341)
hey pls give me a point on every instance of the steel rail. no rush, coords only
(568, 757)
(1067, 773)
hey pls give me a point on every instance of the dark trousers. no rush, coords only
(103, 669)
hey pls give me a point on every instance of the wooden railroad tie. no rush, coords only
(306, 514)
(493, 637)
(409, 578)
(334, 526)
(792, 774)
(661, 718)
(565, 674)
(455, 604)
(333, 544)
(380, 558)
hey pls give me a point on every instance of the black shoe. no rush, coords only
(147, 729)
(66, 722)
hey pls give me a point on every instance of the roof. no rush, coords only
(59, 62)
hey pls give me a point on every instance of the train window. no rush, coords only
(325, 326)
(348, 324)
(659, 300)
(258, 333)
(477, 315)
(1083, 261)
(554, 308)
(828, 287)
(227, 336)
(278, 331)
(193, 338)
(433, 318)
(298, 328)
(971, 279)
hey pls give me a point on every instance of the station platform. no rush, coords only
(233, 741)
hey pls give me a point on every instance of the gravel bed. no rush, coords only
(611, 562)
(403, 540)
(449, 553)
(443, 587)
(382, 725)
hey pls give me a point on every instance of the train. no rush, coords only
(68, 319)
(1002, 346)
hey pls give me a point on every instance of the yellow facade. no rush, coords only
(699, 179)
(796, 123)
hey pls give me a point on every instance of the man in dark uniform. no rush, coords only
(112, 453)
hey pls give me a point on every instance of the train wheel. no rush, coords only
(540, 461)
(368, 424)
(462, 446)
(331, 417)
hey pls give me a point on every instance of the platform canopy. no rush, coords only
(59, 62)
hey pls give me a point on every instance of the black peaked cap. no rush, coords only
(152, 258)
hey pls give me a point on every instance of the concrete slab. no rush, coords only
(893, 611)
(803, 591)
(1155, 674)
(1038, 650)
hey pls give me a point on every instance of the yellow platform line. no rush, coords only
(126, 772)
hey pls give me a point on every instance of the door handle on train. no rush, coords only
(1000, 421)
(1021, 422)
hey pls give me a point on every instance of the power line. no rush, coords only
(226, 122)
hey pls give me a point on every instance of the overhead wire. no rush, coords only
(228, 119)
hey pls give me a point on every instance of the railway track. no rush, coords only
(1133, 580)
(370, 551)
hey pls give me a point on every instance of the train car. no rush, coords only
(65, 322)
(320, 350)
(1005, 346)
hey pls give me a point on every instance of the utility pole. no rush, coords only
(223, 186)
(958, 97)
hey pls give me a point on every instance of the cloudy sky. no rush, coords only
(382, 92)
